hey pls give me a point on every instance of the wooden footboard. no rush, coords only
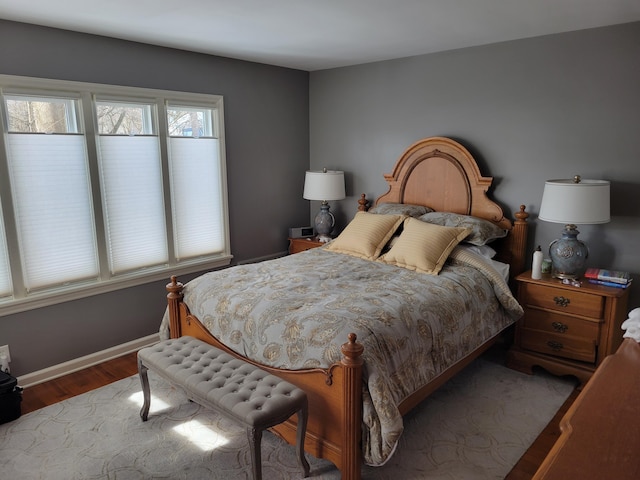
(335, 394)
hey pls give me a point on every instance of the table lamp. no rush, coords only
(325, 185)
(573, 201)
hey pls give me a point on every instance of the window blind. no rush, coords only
(52, 202)
(196, 194)
(131, 179)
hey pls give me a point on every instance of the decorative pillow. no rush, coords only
(400, 209)
(424, 247)
(366, 234)
(482, 231)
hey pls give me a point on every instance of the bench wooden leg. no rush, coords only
(255, 439)
(300, 435)
(144, 380)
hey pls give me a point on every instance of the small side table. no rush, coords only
(566, 330)
(297, 245)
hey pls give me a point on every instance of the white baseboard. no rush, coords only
(76, 364)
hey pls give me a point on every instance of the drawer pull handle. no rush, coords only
(560, 327)
(561, 301)
(555, 346)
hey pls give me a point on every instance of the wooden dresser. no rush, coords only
(566, 330)
(601, 431)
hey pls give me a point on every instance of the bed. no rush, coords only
(368, 334)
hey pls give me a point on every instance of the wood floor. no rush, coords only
(91, 378)
(83, 381)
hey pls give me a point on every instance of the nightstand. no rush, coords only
(566, 330)
(297, 245)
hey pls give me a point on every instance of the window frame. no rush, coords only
(88, 94)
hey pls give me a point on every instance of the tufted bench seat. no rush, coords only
(237, 389)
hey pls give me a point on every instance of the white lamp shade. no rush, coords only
(568, 202)
(323, 186)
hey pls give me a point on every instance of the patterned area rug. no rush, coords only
(476, 426)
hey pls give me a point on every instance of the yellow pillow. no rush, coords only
(424, 247)
(366, 234)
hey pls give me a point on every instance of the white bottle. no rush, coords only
(536, 266)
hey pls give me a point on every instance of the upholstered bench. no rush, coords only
(237, 389)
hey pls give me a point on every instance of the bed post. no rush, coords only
(519, 242)
(352, 401)
(174, 297)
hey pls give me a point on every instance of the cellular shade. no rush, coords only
(133, 201)
(197, 196)
(52, 201)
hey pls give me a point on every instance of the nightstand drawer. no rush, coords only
(559, 345)
(550, 322)
(566, 301)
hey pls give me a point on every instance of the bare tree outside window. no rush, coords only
(124, 119)
(58, 115)
(35, 115)
(189, 122)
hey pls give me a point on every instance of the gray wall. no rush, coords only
(529, 110)
(267, 142)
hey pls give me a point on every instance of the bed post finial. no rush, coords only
(363, 203)
(352, 351)
(174, 297)
(521, 215)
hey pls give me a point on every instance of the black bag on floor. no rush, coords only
(10, 398)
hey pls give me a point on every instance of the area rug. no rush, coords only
(476, 426)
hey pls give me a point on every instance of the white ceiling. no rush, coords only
(319, 34)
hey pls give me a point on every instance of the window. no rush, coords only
(106, 187)
(131, 183)
(194, 158)
(50, 190)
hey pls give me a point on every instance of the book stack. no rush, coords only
(609, 278)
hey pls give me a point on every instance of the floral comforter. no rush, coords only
(296, 311)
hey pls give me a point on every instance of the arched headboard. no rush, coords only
(440, 173)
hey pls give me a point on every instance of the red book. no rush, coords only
(614, 276)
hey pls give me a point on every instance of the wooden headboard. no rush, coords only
(440, 173)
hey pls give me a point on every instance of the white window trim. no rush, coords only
(15, 84)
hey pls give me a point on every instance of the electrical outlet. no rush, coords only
(4, 350)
